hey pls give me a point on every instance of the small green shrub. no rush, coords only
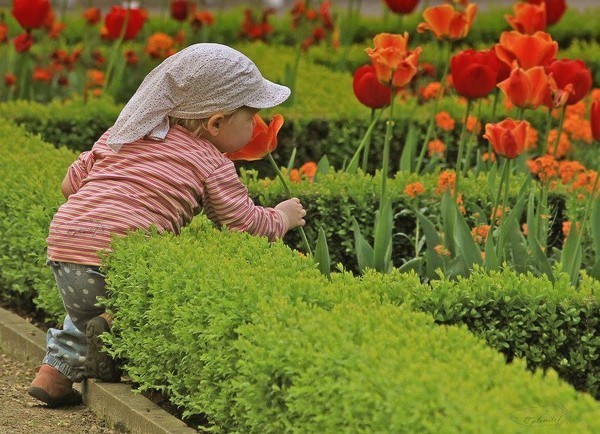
(29, 196)
(254, 338)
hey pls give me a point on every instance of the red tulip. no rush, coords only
(394, 65)
(30, 14)
(529, 50)
(575, 73)
(115, 20)
(474, 73)
(529, 18)
(263, 141)
(180, 9)
(595, 120)
(528, 89)
(368, 90)
(554, 9)
(402, 6)
(508, 137)
(23, 42)
(446, 22)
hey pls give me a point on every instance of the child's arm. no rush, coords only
(226, 202)
(77, 173)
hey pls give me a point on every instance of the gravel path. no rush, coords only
(21, 414)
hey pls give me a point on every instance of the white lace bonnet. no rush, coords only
(195, 83)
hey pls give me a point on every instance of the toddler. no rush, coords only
(159, 164)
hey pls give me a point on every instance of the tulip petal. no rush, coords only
(263, 141)
(385, 40)
(438, 19)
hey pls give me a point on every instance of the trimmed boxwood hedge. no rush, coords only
(550, 325)
(253, 338)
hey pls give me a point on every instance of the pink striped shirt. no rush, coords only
(148, 182)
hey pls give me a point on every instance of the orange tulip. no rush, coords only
(446, 22)
(507, 137)
(263, 141)
(528, 89)
(394, 64)
(529, 18)
(529, 50)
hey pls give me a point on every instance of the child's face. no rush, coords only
(236, 131)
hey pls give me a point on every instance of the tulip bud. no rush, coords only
(368, 90)
(474, 72)
(508, 137)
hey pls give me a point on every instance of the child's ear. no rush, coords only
(214, 124)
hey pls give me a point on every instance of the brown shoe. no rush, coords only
(53, 388)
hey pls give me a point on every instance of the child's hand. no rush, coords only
(293, 211)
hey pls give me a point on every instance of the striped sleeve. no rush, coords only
(226, 202)
(80, 168)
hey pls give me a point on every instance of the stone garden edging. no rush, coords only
(113, 402)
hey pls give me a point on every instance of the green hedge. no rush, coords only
(74, 123)
(551, 326)
(29, 196)
(252, 337)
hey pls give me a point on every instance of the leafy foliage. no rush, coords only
(259, 351)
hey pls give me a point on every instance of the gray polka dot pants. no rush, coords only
(80, 285)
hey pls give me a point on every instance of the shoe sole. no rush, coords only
(99, 364)
(72, 398)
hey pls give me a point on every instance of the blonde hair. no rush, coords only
(196, 126)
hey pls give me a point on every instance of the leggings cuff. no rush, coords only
(64, 368)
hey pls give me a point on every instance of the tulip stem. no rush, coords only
(503, 183)
(560, 128)
(495, 106)
(587, 211)
(436, 102)
(470, 139)
(497, 195)
(386, 146)
(289, 195)
(369, 134)
(115, 51)
(541, 211)
(461, 145)
(544, 140)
